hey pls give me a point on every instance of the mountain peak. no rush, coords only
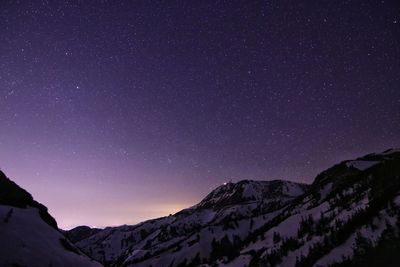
(80, 232)
(251, 191)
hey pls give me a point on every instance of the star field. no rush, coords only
(131, 110)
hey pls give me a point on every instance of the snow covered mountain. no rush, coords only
(29, 235)
(217, 214)
(350, 212)
(247, 191)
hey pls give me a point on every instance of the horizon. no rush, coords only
(178, 209)
(119, 112)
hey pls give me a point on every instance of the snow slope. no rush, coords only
(29, 235)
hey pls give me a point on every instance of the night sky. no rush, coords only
(114, 112)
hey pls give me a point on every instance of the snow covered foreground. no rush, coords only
(27, 240)
(29, 236)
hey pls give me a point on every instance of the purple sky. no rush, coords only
(115, 112)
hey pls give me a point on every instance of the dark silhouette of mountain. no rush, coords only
(13, 195)
(81, 232)
(29, 235)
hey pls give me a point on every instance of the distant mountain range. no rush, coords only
(349, 216)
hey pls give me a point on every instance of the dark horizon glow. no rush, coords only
(114, 112)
